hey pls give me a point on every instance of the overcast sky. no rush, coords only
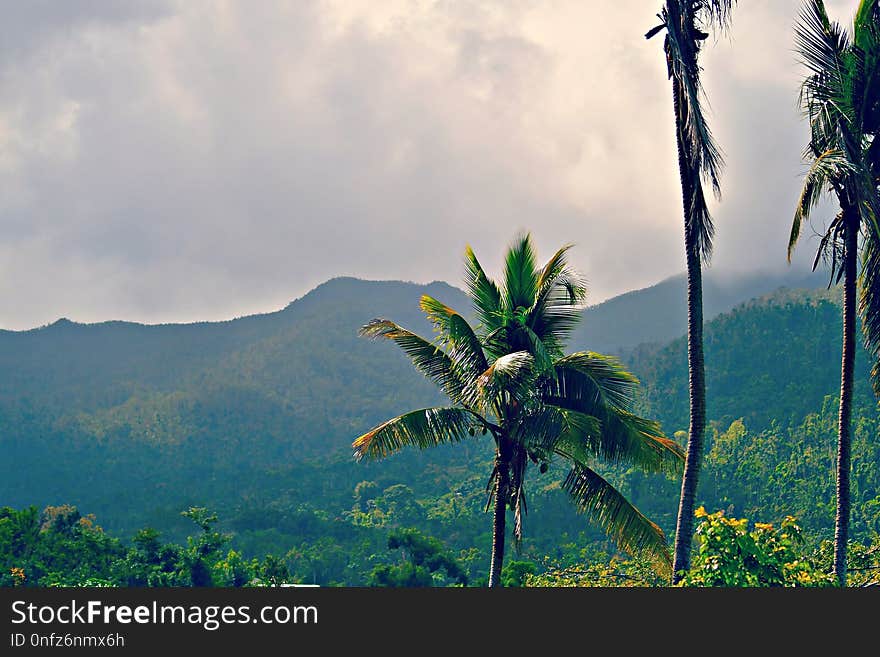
(184, 160)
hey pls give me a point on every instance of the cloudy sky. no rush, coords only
(175, 160)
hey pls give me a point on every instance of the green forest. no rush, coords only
(501, 434)
(307, 512)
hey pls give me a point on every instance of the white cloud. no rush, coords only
(197, 160)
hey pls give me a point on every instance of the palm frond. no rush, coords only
(511, 375)
(500, 342)
(603, 379)
(860, 187)
(518, 493)
(714, 13)
(684, 22)
(554, 267)
(484, 293)
(866, 66)
(699, 226)
(558, 304)
(427, 427)
(459, 338)
(841, 98)
(508, 368)
(598, 386)
(831, 249)
(540, 351)
(520, 275)
(682, 47)
(541, 429)
(620, 437)
(825, 170)
(428, 358)
(821, 43)
(624, 523)
(866, 16)
(869, 303)
(825, 94)
(581, 437)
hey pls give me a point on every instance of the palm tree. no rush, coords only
(841, 98)
(508, 378)
(698, 159)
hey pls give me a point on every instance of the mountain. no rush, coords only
(98, 414)
(254, 418)
(67, 365)
(182, 407)
(769, 360)
(659, 313)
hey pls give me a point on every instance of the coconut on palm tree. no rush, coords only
(841, 98)
(699, 160)
(508, 378)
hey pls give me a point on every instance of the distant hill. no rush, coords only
(770, 359)
(184, 414)
(86, 367)
(659, 313)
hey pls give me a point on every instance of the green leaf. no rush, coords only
(558, 304)
(424, 428)
(463, 345)
(595, 379)
(427, 357)
(520, 275)
(512, 374)
(625, 524)
(483, 292)
(598, 386)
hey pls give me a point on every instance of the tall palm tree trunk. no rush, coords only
(844, 438)
(696, 373)
(499, 523)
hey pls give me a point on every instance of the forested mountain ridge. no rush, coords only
(200, 411)
(770, 359)
(658, 314)
(71, 372)
(89, 366)
(255, 417)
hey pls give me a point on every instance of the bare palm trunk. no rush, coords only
(499, 523)
(844, 438)
(696, 373)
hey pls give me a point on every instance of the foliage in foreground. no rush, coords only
(731, 552)
(424, 562)
(61, 547)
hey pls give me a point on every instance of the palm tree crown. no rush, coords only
(684, 22)
(841, 99)
(698, 158)
(508, 377)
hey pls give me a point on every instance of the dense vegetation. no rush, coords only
(773, 359)
(198, 440)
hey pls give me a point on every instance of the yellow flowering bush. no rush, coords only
(18, 576)
(729, 553)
